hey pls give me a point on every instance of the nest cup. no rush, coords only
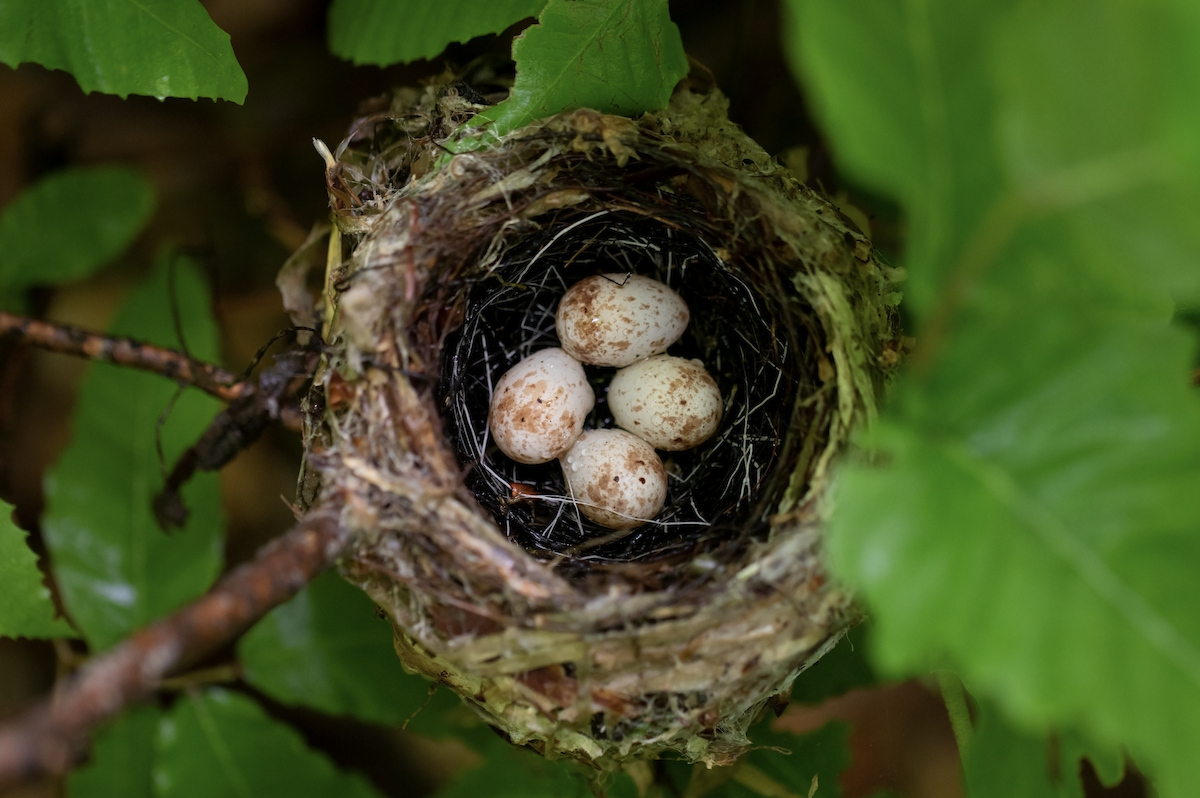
(667, 640)
(724, 489)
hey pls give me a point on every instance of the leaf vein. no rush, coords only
(1091, 568)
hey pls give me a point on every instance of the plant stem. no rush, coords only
(221, 674)
(173, 365)
(955, 698)
(52, 736)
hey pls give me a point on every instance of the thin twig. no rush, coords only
(174, 365)
(234, 429)
(53, 736)
(220, 674)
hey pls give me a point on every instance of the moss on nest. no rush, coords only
(629, 649)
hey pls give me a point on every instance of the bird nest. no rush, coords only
(601, 646)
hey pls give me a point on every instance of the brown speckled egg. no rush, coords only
(615, 478)
(538, 406)
(618, 319)
(669, 402)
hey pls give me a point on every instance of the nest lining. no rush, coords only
(643, 648)
(760, 357)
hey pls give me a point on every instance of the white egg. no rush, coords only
(669, 402)
(618, 319)
(538, 406)
(615, 478)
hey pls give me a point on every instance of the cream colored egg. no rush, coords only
(615, 478)
(539, 405)
(618, 319)
(669, 402)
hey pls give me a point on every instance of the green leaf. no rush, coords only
(1096, 113)
(1003, 761)
(1108, 762)
(615, 56)
(845, 667)
(121, 759)
(162, 48)
(117, 570)
(25, 606)
(386, 32)
(622, 785)
(69, 224)
(901, 89)
(511, 772)
(766, 770)
(327, 649)
(1036, 518)
(971, 112)
(222, 743)
(820, 755)
(1030, 514)
(781, 765)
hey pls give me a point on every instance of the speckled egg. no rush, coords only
(618, 319)
(669, 402)
(615, 478)
(538, 406)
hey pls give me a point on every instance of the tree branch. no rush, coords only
(174, 365)
(235, 428)
(53, 736)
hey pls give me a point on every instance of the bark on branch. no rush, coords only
(236, 427)
(174, 365)
(53, 736)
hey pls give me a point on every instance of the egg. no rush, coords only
(615, 478)
(618, 319)
(669, 402)
(539, 405)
